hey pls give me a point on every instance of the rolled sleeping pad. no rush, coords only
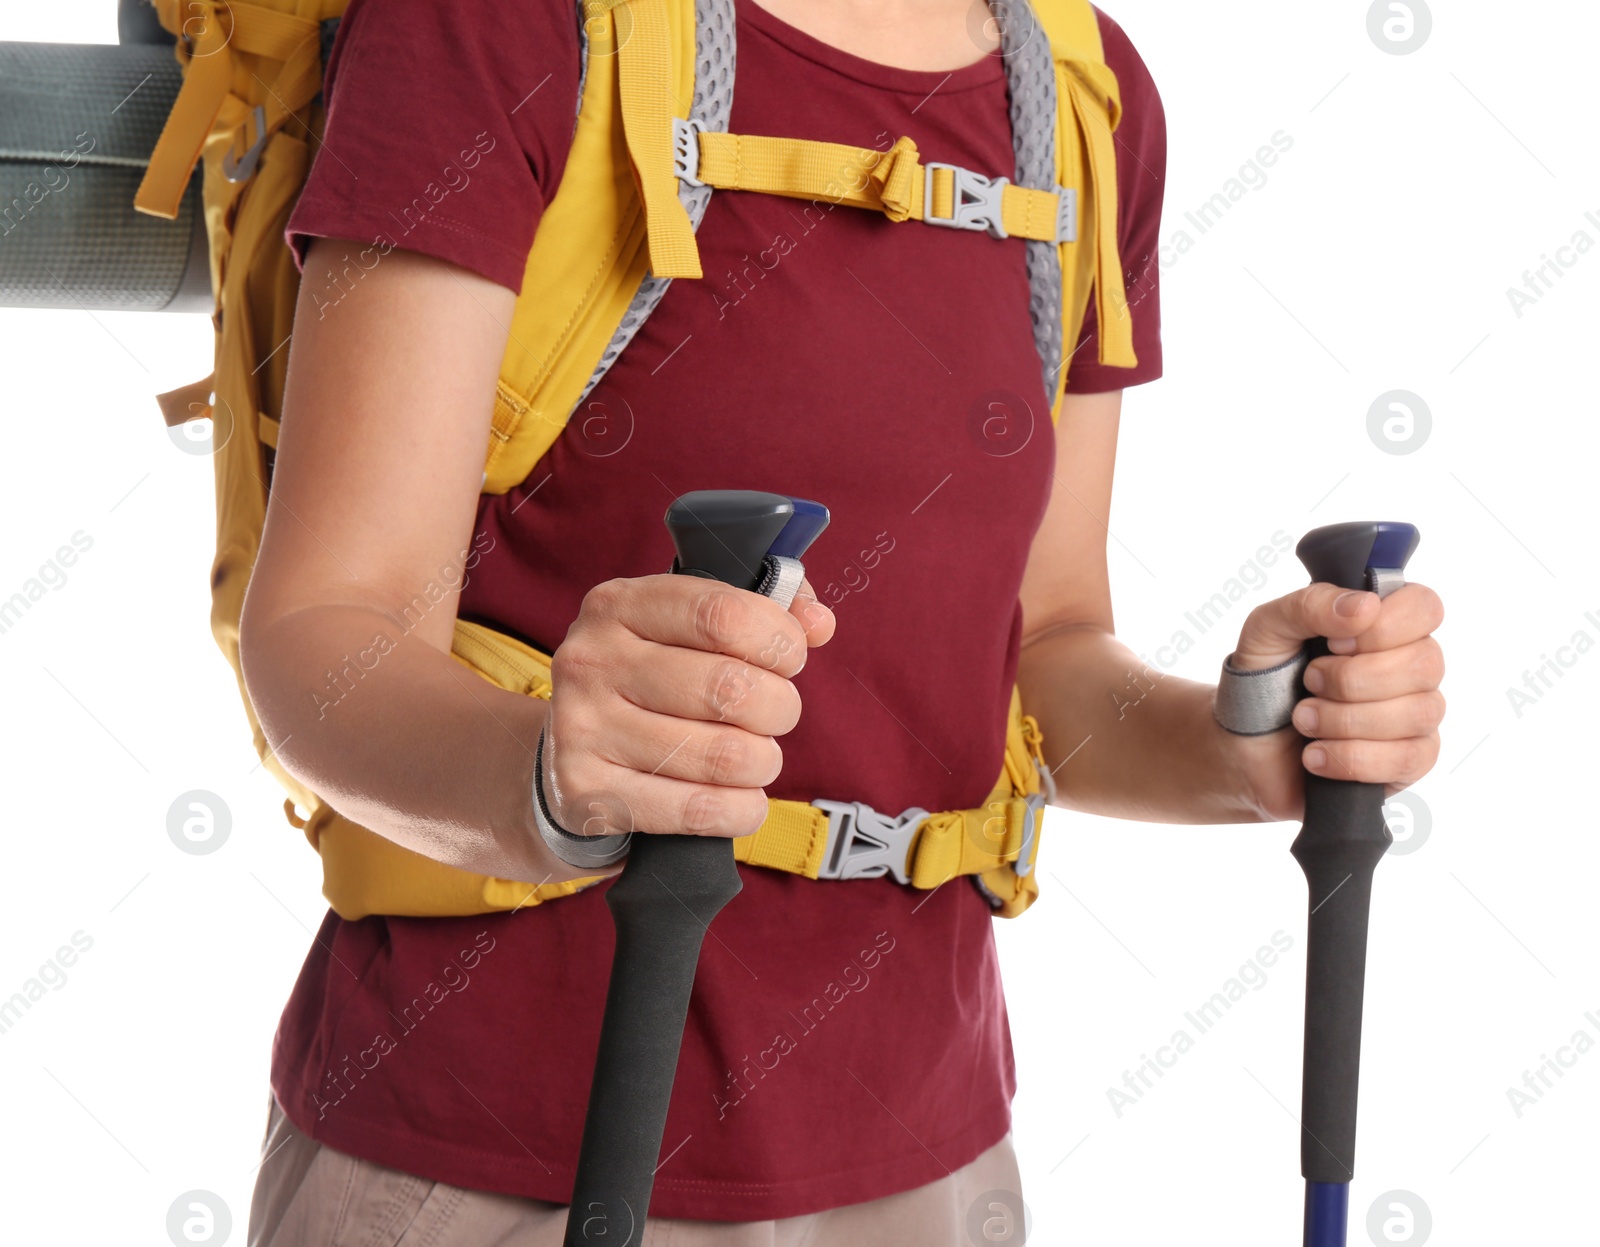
(77, 125)
(137, 23)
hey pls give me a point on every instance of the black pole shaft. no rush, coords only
(662, 903)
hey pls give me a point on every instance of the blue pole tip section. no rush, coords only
(1327, 1213)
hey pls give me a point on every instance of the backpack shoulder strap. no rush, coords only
(620, 226)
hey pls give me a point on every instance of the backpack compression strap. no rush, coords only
(209, 35)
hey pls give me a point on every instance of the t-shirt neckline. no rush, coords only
(872, 73)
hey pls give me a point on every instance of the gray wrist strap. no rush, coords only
(781, 579)
(1254, 703)
(585, 852)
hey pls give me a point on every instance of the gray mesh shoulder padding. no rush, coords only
(77, 125)
(583, 61)
(1031, 75)
(713, 101)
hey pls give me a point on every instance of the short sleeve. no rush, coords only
(1141, 144)
(448, 127)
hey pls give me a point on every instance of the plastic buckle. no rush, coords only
(686, 150)
(1023, 866)
(1066, 214)
(240, 168)
(976, 200)
(864, 844)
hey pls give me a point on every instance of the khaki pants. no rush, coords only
(308, 1195)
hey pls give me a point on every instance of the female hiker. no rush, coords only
(846, 1074)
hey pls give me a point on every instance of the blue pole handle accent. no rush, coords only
(804, 527)
(1347, 554)
(1392, 544)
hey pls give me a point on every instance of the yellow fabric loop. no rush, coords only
(187, 402)
(207, 73)
(1100, 82)
(898, 178)
(1114, 319)
(645, 77)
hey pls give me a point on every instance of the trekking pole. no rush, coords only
(1340, 843)
(667, 895)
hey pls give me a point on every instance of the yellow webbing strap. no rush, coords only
(1089, 100)
(890, 182)
(363, 873)
(210, 32)
(202, 49)
(987, 841)
(645, 79)
(1110, 296)
(958, 842)
(187, 402)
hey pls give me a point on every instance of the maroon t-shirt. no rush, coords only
(845, 1040)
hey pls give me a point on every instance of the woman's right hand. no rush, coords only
(668, 694)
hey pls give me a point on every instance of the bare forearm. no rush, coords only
(1125, 740)
(401, 738)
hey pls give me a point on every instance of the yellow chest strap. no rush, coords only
(895, 182)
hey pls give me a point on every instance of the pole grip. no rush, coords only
(662, 904)
(1339, 845)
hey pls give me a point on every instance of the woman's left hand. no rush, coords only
(1375, 707)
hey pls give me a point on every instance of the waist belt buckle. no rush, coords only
(864, 844)
(975, 200)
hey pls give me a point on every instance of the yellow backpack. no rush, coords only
(649, 148)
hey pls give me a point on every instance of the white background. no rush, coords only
(1376, 257)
